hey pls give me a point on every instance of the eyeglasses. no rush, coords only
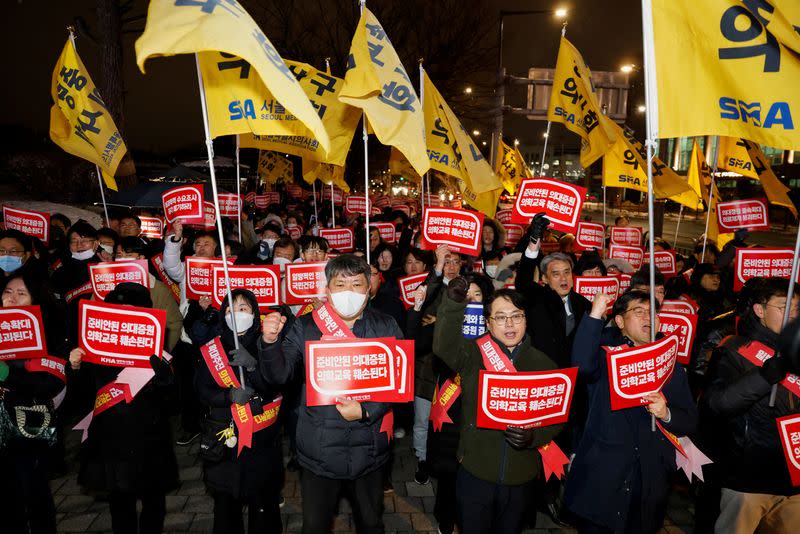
(782, 308)
(314, 251)
(639, 312)
(11, 252)
(516, 319)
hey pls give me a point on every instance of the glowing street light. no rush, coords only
(476, 133)
(545, 135)
(468, 90)
(561, 13)
(642, 108)
(627, 69)
(483, 143)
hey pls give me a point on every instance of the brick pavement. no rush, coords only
(408, 509)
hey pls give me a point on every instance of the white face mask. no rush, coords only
(491, 270)
(270, 242)
(84, 255)
(244, 321)
(281, 261)
(109, 249)
(348, 303)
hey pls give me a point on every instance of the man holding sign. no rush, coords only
(344, 446)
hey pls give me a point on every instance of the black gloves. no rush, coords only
(538, 225)
(163, 372)
(241, 395)
(519, 438)
(774, 370)
(242, 358)
(457, 289)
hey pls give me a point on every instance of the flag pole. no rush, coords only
(710, 197)
(238, 188)
(102, 194)
(333, 213)
(680, 216)
(210, 150)
(424, 133)
(789, 296)
(314, 196)
(547, 133)
(365, 135)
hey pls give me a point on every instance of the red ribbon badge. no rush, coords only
(330, 324)
(218, 365)
(494, 359)
(553, 460)
(443, 400)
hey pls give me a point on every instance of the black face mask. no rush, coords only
(57, 234)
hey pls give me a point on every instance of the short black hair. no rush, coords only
(632, 295)
(313, 241)
(761, 292)
(132, 244)
(619, 218)
(83, 229)
(347, 265)
(133, 216)
(642, 277)
(512, 295)
(24, 240)
(483, 282)
(285, 242)
(108, 232)
(61, 217)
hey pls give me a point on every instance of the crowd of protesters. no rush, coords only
(620, 472)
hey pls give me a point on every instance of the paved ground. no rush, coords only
(408, 509)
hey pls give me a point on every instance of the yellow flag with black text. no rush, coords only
(399, 165)
(272, 167)
(510, 168)
(732, 156)
(777, 191)
(327, 173)
(573, 103)
(443, 150)
(376, 82)
(79, 121)
(698, 178)
(188, 27)
(728, 68)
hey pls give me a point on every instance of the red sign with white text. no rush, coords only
(152, 227)
(632, 254)
(184, 203)
(590, 235)
(382, 202)
(33, 223)
(762, 262)
(751, 214)
(250, 197)
(106, 276)
(341, 239)
(295, 231)
(409, 284)
(589, 286)
(624, 282)
(338, 194)
(459, 229)
(263, 280)
(789, 430)
(665, 261)
(305, 282)
(504, 216)
(525, 400)
(230, 205)
(683, 325)
(514, 233)
(294, 190)
(402, 207)
(200, 276)
(404, 368)
(22, 333)
(118, 335)
(678, 306)
(386, 230)
(626, 235)
(356, 204)
(562, 202)
(634, 372)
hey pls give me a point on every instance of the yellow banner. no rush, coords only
(728, 68)
(713, 226)
(377, 83)
(698, 178)
(573, 103)
(776, 191)
(443, 151)
(732, 156)
(188, 27)
(399, 165)
(511, 168)
(485, 202)
(327, 173)
(79, 121)
(272, 167)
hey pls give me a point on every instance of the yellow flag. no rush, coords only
(79, 121)
(510, 168)
(239, 102)
(485, 202)
(775, 189)
(443, 151)
(573, 103)
(377, 83)
(327, 173)
(732, 156)
(698, 178)
(188, 27)
(713, 226)
(399, 165)
(272, 167)
(728, 68)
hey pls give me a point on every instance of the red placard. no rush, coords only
(341, 239)
(338, 194)
(402, 207)
(382, 202)
(789, 429)
(273, 197)
(294, 190)
(504, 216)
(459, 229)
(295, 231)
(525, 400)
(263, 280)
(260, 201)
(455, 203)
(589, 286)
(105, 276)
(762, 262)
(386, 230)
(751, 214)
(624, 282)
(404, 368)
(22, 333)
(33, 223)
(409, 284)
(632, 254)
(305, 282)
(209, 216)
(665, 261)
(514, 233)
(118, 335)
(626, 235)
(250, 197)
(634, 372)
(683, 325)
(590, 235)
(562, 202)
(678, 306)
(152, 227)
(230, 205)
(200, 276)
(356, 204)
(184, 203)
(357, 369)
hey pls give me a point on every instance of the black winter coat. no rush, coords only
(424, 376)
(71, 275)
(442, 451)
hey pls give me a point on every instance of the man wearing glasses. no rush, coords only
(494, 482)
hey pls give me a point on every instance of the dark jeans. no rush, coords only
(321, 500)
(124, 519)
(26, 504)
(488, 507)
(185, 358)
(263, 514)
(444, 508)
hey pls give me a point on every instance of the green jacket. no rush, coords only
(484, 452)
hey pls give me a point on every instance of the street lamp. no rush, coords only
(476, 133)
(468, 90)
(516, 142)
(642, 108)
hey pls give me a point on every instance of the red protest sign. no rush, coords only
(590, 235)
(294, 190)
(632, 254)
(305, 282)
(402, 207)
(263, 280)
(386, 230)
(118, 335)
(404, 368)
(562, 202)
(514, 233)
(21, 333)
(504, 216)
(409, 284)
(762, 262)
(382, 202)
(626, 235)
(665, 261)
(751, 214)
(357, 369)
(526, 400)
(295, 231)
(261, 201)
(184, 203)
(589, 286)
(33, 223)
(341, 239)
(356, 204)
(459, 229)
(455, 203)
(200, 276)
(250, 197)
(634, 372)
(683, 325)
(789, 429)
(678, 306)
(105, 276)
(230, 205)
(152, 227)
(624, 282)
(272, 197)
(338, 195)
(209, 216)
